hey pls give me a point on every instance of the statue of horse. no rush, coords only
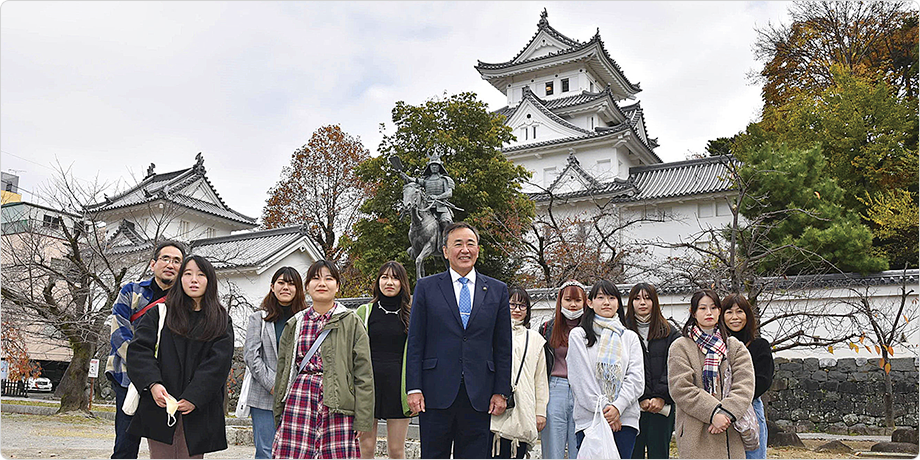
(423, 233)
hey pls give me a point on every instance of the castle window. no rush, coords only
(704, 209)
(565, 85)
(534, 132)
(525, 134)
(183, 228)
(51, 221)
(210, 233)
(549, 88)
(591, 85)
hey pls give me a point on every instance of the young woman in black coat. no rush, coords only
(187, 373)
(738, 319)
(656, 421)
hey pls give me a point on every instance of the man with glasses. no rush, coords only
(458, 359)
(133, 301)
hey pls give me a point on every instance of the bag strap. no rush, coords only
(141, 312)
(316, 343)
(526, 341)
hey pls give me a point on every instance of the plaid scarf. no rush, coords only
(611, 356)
(714, 348)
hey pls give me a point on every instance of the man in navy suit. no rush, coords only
(458, 364)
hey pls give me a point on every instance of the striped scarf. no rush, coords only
(714, 348)
(611, 356)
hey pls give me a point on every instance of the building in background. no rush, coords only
(584, 137)
(185, 206)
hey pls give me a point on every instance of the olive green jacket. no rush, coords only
(348, 377)
(363, 312)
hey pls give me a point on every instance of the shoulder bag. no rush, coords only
(510, 402)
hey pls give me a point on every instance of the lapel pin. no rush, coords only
(485, 288)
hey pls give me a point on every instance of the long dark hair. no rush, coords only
(405, 298)
(270, 303)
(560, 337)
(179, 306)
(750, 331)
(521, 293)
(658, 326)
(695, 304)
(587, 320)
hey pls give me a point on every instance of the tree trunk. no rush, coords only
(889, 409)
(73, 388)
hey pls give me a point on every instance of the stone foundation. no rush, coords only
(841, 396)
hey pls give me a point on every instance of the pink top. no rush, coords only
(560, 368)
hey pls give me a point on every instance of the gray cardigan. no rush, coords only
(261, 355)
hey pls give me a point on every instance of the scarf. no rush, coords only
(611, 356)
(714, 348)
(644, 319)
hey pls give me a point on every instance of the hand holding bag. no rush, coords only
(133, 397)
(599, 442)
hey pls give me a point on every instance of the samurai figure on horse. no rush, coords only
(425, 198)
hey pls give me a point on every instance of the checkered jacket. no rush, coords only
(132, 298)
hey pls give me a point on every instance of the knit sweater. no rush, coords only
(586, 388)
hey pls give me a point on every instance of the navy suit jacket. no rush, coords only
(440, 350)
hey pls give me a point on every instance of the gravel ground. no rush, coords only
(69, 436)
(75, 436)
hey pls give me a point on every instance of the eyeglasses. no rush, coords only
(518, 306)
(168, 260)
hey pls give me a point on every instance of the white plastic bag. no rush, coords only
(599, 442)
(242, 405)
(131, 400)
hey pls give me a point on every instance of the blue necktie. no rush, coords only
(466, 306)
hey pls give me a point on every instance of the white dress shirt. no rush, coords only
(471, 284)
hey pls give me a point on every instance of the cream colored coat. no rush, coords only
(695, 407)
(531, 394)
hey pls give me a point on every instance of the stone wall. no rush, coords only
(841, 396)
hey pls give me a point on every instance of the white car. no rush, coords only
(39, 384)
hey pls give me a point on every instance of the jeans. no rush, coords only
(762, 422)
(560, 421)
(263, 431)
(126, 445)
(625, 439)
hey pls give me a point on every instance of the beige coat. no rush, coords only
(695, 407)
(531, 394)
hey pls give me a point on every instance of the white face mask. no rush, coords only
(572, 314)
(171, 406)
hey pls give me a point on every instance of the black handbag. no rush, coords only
(510, 402)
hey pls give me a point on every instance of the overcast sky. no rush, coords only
(109, 87)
